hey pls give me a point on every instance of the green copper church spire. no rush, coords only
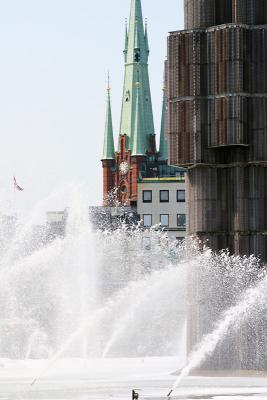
(163, 146)
(126, 41)
(136, 70)
(138, 140)
(146, 38)
(108, 148)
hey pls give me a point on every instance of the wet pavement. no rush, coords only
(114, 379)
(155, 389)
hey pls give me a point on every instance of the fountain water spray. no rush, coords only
(101, 292)
(147, 287)
(84, 326)
(252, 297)
(145, 299)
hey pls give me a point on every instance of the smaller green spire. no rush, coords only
(108, 148)
(163, 146)
(138, 140)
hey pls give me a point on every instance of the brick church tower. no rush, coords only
(136, 150)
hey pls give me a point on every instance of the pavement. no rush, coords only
(115, 379)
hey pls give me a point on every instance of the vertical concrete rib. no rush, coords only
(217, 126)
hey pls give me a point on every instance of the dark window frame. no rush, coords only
(164, 201)
(146, 243)
(165, 226)
(147, 201)
(177, 196)
(181, 226)
(179, 240)
(147, 226)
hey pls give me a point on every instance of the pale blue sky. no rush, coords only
(54, 60)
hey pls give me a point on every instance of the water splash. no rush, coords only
(119, 293)
(37, 340)
(232, 318)
(148, 287)
(146, 298)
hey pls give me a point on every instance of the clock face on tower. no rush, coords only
(124, 168)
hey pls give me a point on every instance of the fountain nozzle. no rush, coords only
(135, 395)
(33, 382)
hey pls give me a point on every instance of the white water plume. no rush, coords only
(232, 318)
(91, 293)
(170, 283)
(147, 287)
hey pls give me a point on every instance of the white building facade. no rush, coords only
(161, 201)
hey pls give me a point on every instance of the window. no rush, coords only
(181, 220)
(164, 196)
(179, 241)
(137, 55)
(146, 243)
(181, 196)
(147, 218)
(179, 174)
(147, 196)
(127, 96)
(164, 219)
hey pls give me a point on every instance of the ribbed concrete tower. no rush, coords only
(217, 125)
(163, 144)
(217, 102)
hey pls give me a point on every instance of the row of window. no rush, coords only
(164, 220)
(164, 196)
(146, 242)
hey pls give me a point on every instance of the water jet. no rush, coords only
(88, 295)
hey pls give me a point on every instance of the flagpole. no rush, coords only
(16, 188)
(14, 199)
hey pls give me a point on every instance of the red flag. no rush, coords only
(16, 186)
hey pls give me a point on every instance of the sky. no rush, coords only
(55, 55)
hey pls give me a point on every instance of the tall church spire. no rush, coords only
(136, 70)
(126, 41)
(146, 38)
(163, 146)
(138, 142)
(136, 151)
(136, 37)
(108, 148)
